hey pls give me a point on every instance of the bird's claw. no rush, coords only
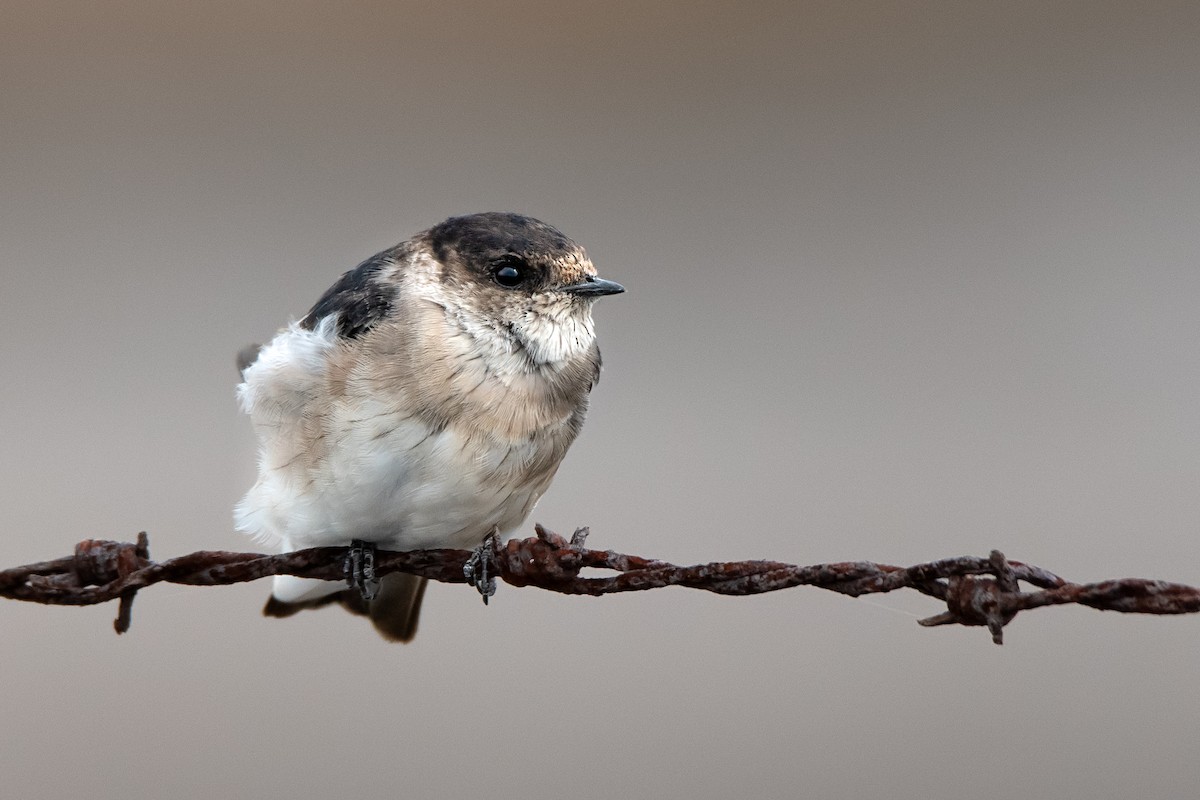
(476, 568)
(359, 568)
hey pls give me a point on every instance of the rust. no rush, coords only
(976, 591)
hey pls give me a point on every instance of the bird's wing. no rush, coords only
(358, 300)
(280, 378)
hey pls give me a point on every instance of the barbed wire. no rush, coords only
(976, 591)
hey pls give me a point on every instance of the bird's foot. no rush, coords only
(359, 568)
(476, 568)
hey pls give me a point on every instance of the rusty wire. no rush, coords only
(976, 591)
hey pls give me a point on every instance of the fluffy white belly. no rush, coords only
(389, 479)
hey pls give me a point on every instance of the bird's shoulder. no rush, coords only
(281, 379)
(362, 297)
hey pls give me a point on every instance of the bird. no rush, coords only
(425, 400)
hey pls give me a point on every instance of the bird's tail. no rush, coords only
(394, 611)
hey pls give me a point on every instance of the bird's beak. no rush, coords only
(596, 287)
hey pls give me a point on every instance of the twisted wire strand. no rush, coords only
(976, 591)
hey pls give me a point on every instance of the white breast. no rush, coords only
(360, 467)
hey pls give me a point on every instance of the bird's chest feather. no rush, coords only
(386, 472)
(409, 447)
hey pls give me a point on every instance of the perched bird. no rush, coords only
(425, 401)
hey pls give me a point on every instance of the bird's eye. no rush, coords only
(510, 274)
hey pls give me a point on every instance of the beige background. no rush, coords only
(906, 280)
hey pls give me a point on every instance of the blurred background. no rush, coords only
(907, 280)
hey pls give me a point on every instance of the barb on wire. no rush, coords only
(976, 591)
